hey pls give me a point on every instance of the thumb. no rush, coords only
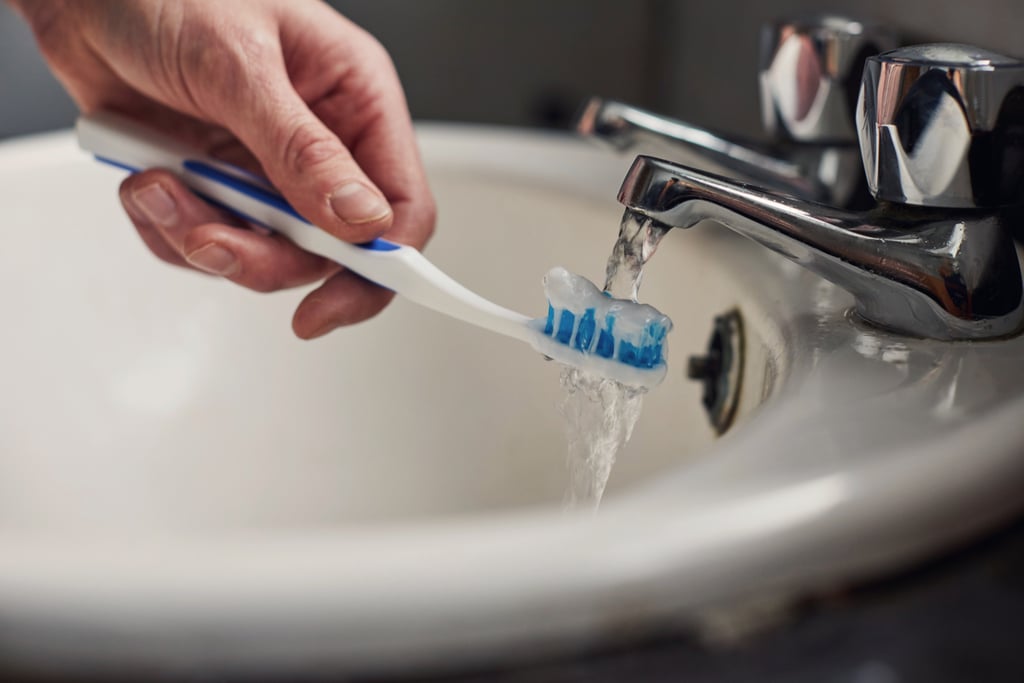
(307, 161)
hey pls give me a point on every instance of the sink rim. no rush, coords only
(709, 538)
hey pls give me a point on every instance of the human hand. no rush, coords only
(288, 88)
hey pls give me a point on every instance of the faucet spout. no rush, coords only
(917, 271)
(829, 173)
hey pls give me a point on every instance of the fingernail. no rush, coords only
(213, 258)
(157, 204)
(356, 203)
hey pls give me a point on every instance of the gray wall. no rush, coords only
(523, 63)
(30, 98)
(718, 40)
(512, 62)
(531, 62)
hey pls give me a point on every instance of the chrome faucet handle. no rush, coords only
(943, 125)
(810, 73)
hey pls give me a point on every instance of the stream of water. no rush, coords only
(600, 413)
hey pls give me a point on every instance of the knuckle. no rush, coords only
(380, 54)
(220, 63)
(254, 46)
(373, 50)
(307, 147)
(245, 59)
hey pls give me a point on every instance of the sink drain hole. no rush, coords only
(720, 370)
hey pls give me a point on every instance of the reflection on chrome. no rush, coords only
(807, 107)
(938, 273)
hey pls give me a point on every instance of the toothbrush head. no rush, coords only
(615, 338)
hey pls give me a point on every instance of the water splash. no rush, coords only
(600, 413)
(599, 416)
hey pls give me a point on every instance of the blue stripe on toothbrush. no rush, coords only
(209, 200)
(265, 196)
(250, 189)
(258, 193)
(116, 164)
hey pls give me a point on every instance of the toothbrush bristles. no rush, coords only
(621, 339)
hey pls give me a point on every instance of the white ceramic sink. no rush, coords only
(177, 470)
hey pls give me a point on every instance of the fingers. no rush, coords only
(318, 104)
(344, 299)
(300, 155)
(365, 105)
(347, 160)
(183, 230)
(318, 175)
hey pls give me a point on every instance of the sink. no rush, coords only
(176, 469)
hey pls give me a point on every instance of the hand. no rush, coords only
(288, 88)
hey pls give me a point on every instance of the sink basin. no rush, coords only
(176, 469)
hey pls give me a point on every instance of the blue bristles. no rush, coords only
(606, 342)
(645, 351)
(585, 333)
(566, 326)
(587, 328)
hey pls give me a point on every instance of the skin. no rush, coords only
(288, 88)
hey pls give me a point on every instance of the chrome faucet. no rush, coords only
(809, 73)
(941, 132)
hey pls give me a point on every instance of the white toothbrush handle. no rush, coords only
(400, 268)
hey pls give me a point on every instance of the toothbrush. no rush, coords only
(586, 329)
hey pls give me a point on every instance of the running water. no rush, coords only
(638, 239)
(600, 413)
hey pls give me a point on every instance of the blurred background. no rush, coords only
(530, 63)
